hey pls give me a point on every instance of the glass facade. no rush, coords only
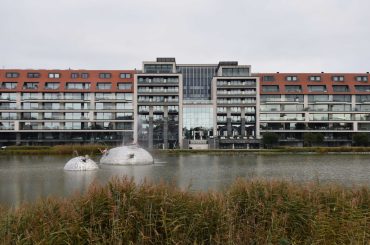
(198, 121)
(197, 81)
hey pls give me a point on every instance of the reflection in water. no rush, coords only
(27, 178)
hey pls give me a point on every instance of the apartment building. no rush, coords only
(198, 106)
(336, 105)
(168, 105)
(66, 106)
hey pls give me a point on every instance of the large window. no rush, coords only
(124, 106)
(30, 85)
(8, 96)
(125, 86)
(362, 88)
(31, 96)
(342, 98)
(270, 88)
(293, 88)
(124, 96)
(8, 85)
(52, 85)
(104, 86)
(340, 88)
(78, 85)
(235, 72)
(318, 98)
(316, 88)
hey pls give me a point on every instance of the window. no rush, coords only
(11, 74)
(74, 75)
(340, 88)
(31, 96)
(363, 98)
(315, 78)
(342, 98)
(51, 96)
(291, 78)
(105, 75)
(124, 106)
(317, 88)
(361, 79)
(270, 97)
(318, 98)
(84, 75)
(125, 86)
(124, 116)
(268, 78)
(270, 88)
(52, 85)
(104, 86)
(54, 75)
(235, 72)
(33, 75)
(8, 85)
(293, 88)
(124, 96)
(124, 75)
(78, 85)
(294, 97)
(337, 78)
(362, 88)
(104, 96)
(30, 85)
(30, 105)
(8, 96)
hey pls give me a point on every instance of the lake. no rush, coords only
(28, 178)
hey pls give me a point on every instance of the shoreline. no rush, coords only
(94, 150)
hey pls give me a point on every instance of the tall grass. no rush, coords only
(249, 212)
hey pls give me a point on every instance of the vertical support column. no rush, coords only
(91, 116)
(17, 138)
(353, 102)
(229, 129)
(242, 125)
(165, 128)
(257, 115)
(150, 133)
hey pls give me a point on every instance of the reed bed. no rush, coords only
(248, 212)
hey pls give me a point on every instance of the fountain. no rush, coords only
(81, 163)
(127, 155)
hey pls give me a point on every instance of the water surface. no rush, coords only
(27, 178)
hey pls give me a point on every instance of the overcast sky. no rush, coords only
(270, 35)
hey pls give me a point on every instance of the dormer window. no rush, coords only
(315, 78)
(337, 78)
(361, 79)
(54, 75)
(291, 78)
(268, 78)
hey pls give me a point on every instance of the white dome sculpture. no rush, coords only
(127, 155)
(81, 163)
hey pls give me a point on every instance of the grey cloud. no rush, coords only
(271, 35)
